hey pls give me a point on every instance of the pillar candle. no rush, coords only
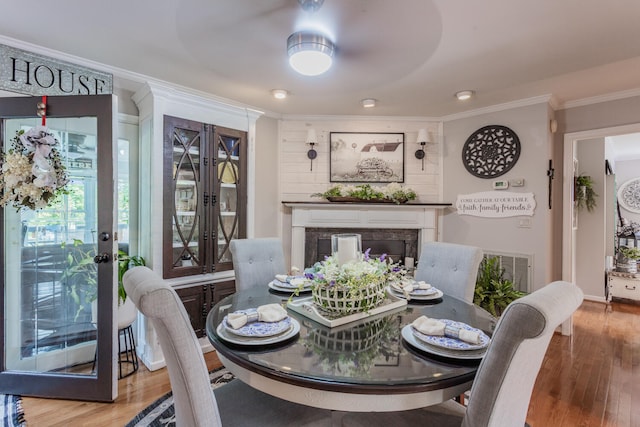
(347, 249)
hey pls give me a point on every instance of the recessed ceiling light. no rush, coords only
(369, 103)
(463, 95)
(279, 93)
(310, 54)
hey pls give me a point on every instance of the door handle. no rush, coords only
(101, 258)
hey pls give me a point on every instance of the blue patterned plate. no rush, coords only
(258, 329)
(290, 286)
(224, 335)
(409, 337)
(453, 343)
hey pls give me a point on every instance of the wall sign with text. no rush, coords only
(496, 204)
(32, 74)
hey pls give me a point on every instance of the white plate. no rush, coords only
(415, 292)
(407, 335)
(236, 339)
(436, 295)
(276, 286)
(453, 343)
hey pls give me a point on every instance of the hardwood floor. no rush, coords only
(135, 392)
(589, 379)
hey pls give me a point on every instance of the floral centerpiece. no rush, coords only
(32, 170)
(391, 193)
(354, 286)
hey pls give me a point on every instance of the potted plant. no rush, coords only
(125, 261)
(493, 292)
(585, 196)
(628, 259)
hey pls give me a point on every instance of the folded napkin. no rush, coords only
(408, 286)
(264, 313)
(435, 327)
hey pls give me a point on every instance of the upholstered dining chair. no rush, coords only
(256, 261)
(502, 388)
(196, 405)
(450, 267)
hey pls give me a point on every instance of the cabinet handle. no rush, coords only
(630, 288)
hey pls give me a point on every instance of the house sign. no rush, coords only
(496, 204)
(32, 74)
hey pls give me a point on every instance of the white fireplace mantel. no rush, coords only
(424, 217)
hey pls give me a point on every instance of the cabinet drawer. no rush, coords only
(622, 287)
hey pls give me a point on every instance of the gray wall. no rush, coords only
(590, 234)
(531, 124)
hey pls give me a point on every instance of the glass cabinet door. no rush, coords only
(183, 251)
(204, 196)
(230, 148)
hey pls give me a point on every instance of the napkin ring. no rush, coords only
(451, 331)
(252, 317)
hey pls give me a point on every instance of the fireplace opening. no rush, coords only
(398, 244)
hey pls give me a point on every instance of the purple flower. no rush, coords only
(309, 276)
(366, 254)
(382, 257)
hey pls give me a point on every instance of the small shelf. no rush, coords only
(224, 185)
(226, 213)
(186, 213)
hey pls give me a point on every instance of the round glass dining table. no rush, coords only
(361, 366)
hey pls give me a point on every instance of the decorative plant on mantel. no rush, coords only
(394, 193)
(585, 196)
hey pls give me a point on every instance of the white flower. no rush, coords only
(32, 173)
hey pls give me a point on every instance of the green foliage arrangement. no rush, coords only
(629, 253)
(125, 261)
(585, 196)
(393, 192)
(80, 275)
(493, 292)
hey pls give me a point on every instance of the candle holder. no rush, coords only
(346, 247)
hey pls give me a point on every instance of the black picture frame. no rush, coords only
(376, 157)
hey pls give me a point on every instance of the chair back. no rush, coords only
(256, 261)
(194, 402)
(502, 388)
(450, 267)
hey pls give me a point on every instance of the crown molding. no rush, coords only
(614, 96)
(543, 99)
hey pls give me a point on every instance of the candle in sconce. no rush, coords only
(346, 247)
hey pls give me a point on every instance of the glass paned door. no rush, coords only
(58, 271)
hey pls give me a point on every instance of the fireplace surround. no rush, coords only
(398, 230)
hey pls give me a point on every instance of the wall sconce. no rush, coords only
(312, 140)
(422, 140)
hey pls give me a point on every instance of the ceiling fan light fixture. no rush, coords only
(310, 54)
(279, 93)
(463, 95)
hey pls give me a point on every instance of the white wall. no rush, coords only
(531, 124)
(267, 202)
(298, 182)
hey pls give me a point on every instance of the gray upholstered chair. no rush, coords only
(450, 267)
(256, 261)
(234, 404)
(502, 388)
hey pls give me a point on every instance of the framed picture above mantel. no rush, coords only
(366, 157)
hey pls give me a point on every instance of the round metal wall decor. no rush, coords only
(629, 195)
(491, 151)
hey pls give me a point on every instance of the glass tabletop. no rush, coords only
(366, 354)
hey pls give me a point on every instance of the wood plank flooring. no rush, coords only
(589, 379)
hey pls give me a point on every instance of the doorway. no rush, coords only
(56, 290)
(571, 219)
